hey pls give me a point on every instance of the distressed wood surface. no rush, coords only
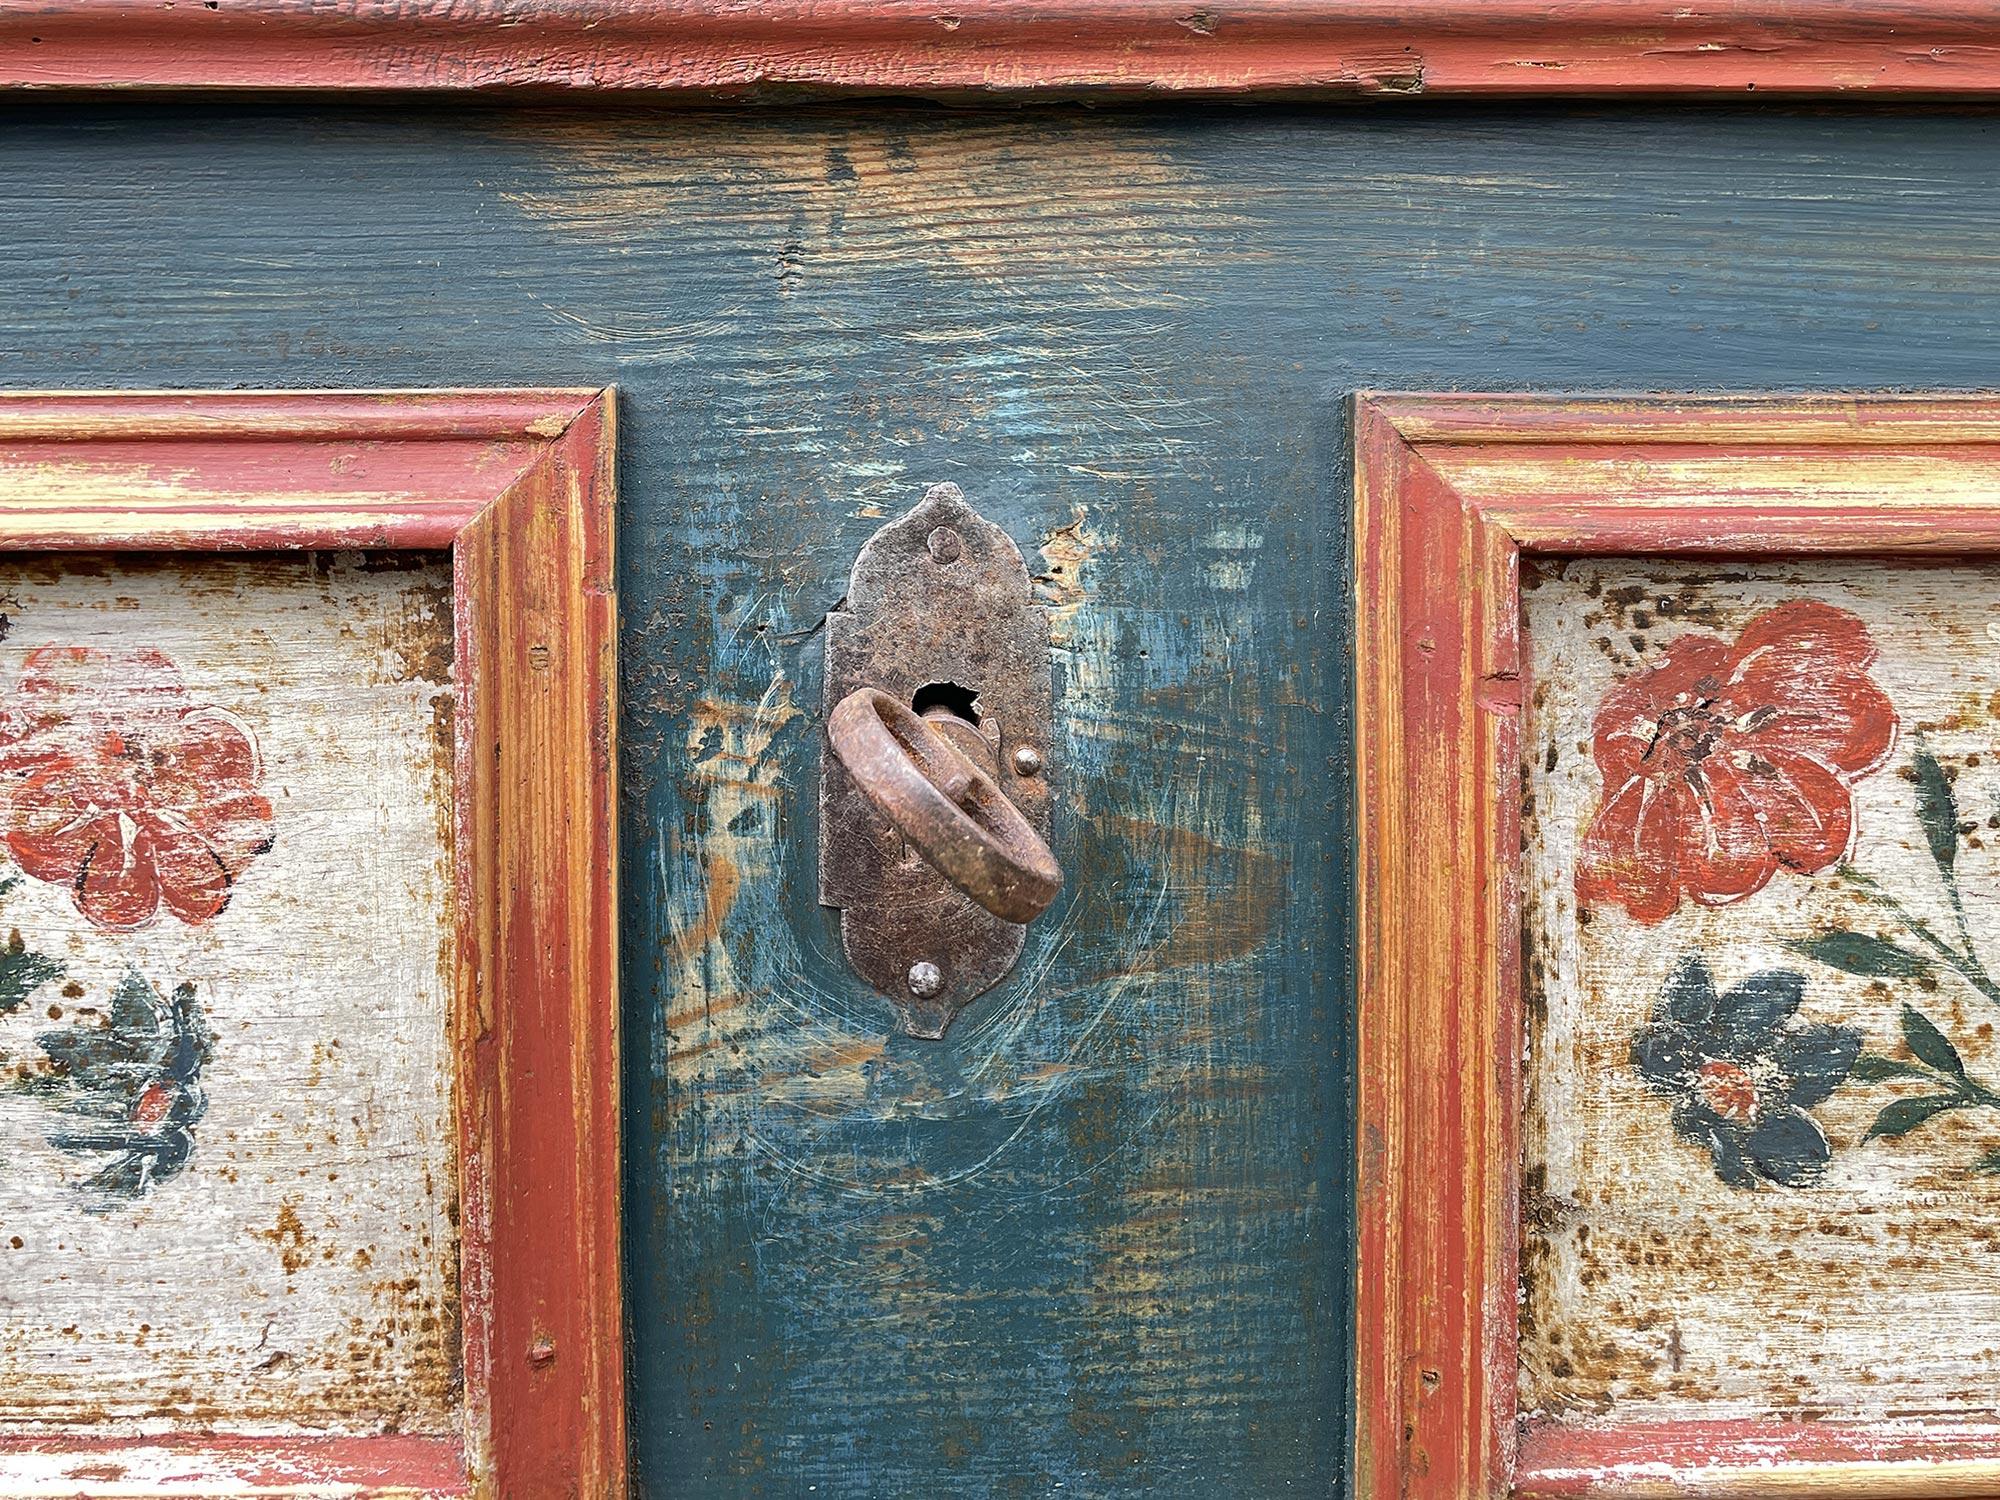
(1657, 1293)
(1016, 48)
(1158, 318)
(1452, 506)
(1437, 701)
(246, 470)
(538, 1006)
(299, 1272)
(1790, 1460)
(203, 1465)
(527, 1044)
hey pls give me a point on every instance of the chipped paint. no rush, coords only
(1066, 554)
(299, 1273)
(817, 209)
(1556, 249)
(1311, 49)
(1653, 1290)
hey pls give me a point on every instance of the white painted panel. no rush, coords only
(298, 1271)
(1864, 1286)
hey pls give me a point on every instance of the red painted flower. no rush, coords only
(117, 786)
(1726, 762)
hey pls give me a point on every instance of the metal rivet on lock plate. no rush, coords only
(926, 979)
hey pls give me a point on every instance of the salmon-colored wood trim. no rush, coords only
(234, 470)
(536, 622)
(1450, 491)
(1763, 420)
(1765, 1460)
(1015, 48)
(1437, 738)
(180, 1467)
(519, 487)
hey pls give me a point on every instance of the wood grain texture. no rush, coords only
(1156, 316)
(1779, 1460)
(1657, 1294)
(1015, 48)
(1441, 531)
(170, 1467)
(534, 1012)
(1437, 720)
(538, 990)
(233, 470)
(299, 1272)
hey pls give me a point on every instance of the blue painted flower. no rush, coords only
(129, 1087)
(1742, 1074)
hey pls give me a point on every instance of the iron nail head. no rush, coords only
(926, 979)
(1027, 761)
(946, 545)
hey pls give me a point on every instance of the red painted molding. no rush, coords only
(1014, 48)
(1451, 491)
(518, 487)
(188, 1467)
(1784, 1460)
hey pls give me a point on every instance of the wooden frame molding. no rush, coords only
(1451, 491)
(518, 486)
(1015, 48)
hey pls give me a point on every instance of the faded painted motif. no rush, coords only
(1762, 1170)
(227, 1165)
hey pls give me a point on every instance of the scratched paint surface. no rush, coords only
(1097, 1239)
(1760, 1151)
(1070, 1218)
(227, 1192)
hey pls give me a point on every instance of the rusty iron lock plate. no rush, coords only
(935, 784)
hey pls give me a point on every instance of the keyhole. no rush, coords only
(953, 711)
(959, 702)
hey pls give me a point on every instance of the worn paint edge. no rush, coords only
(1444, 507)
(388, 1466)
(1774, 1459)
(535, 1003)
(1016, 48)
(539, 966)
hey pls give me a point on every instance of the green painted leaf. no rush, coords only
(1871, 1067)
(135, 1007)
(1906, 1115)
(1931, 1045)
(1937, 809)
(1989, 1164)
(1858, 953)
(101, 1069)
(21, 971)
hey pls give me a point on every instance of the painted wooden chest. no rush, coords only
(1101, 1237)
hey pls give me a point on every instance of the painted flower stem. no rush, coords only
(1962, 962)
(1980, 1094)
(1958, 915)
(1973, 1092)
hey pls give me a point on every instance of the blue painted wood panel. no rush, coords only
(1096, 1243)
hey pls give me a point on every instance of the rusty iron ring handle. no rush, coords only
(951, 811)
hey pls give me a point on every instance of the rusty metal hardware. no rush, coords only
(949, 809)
(935, 793)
